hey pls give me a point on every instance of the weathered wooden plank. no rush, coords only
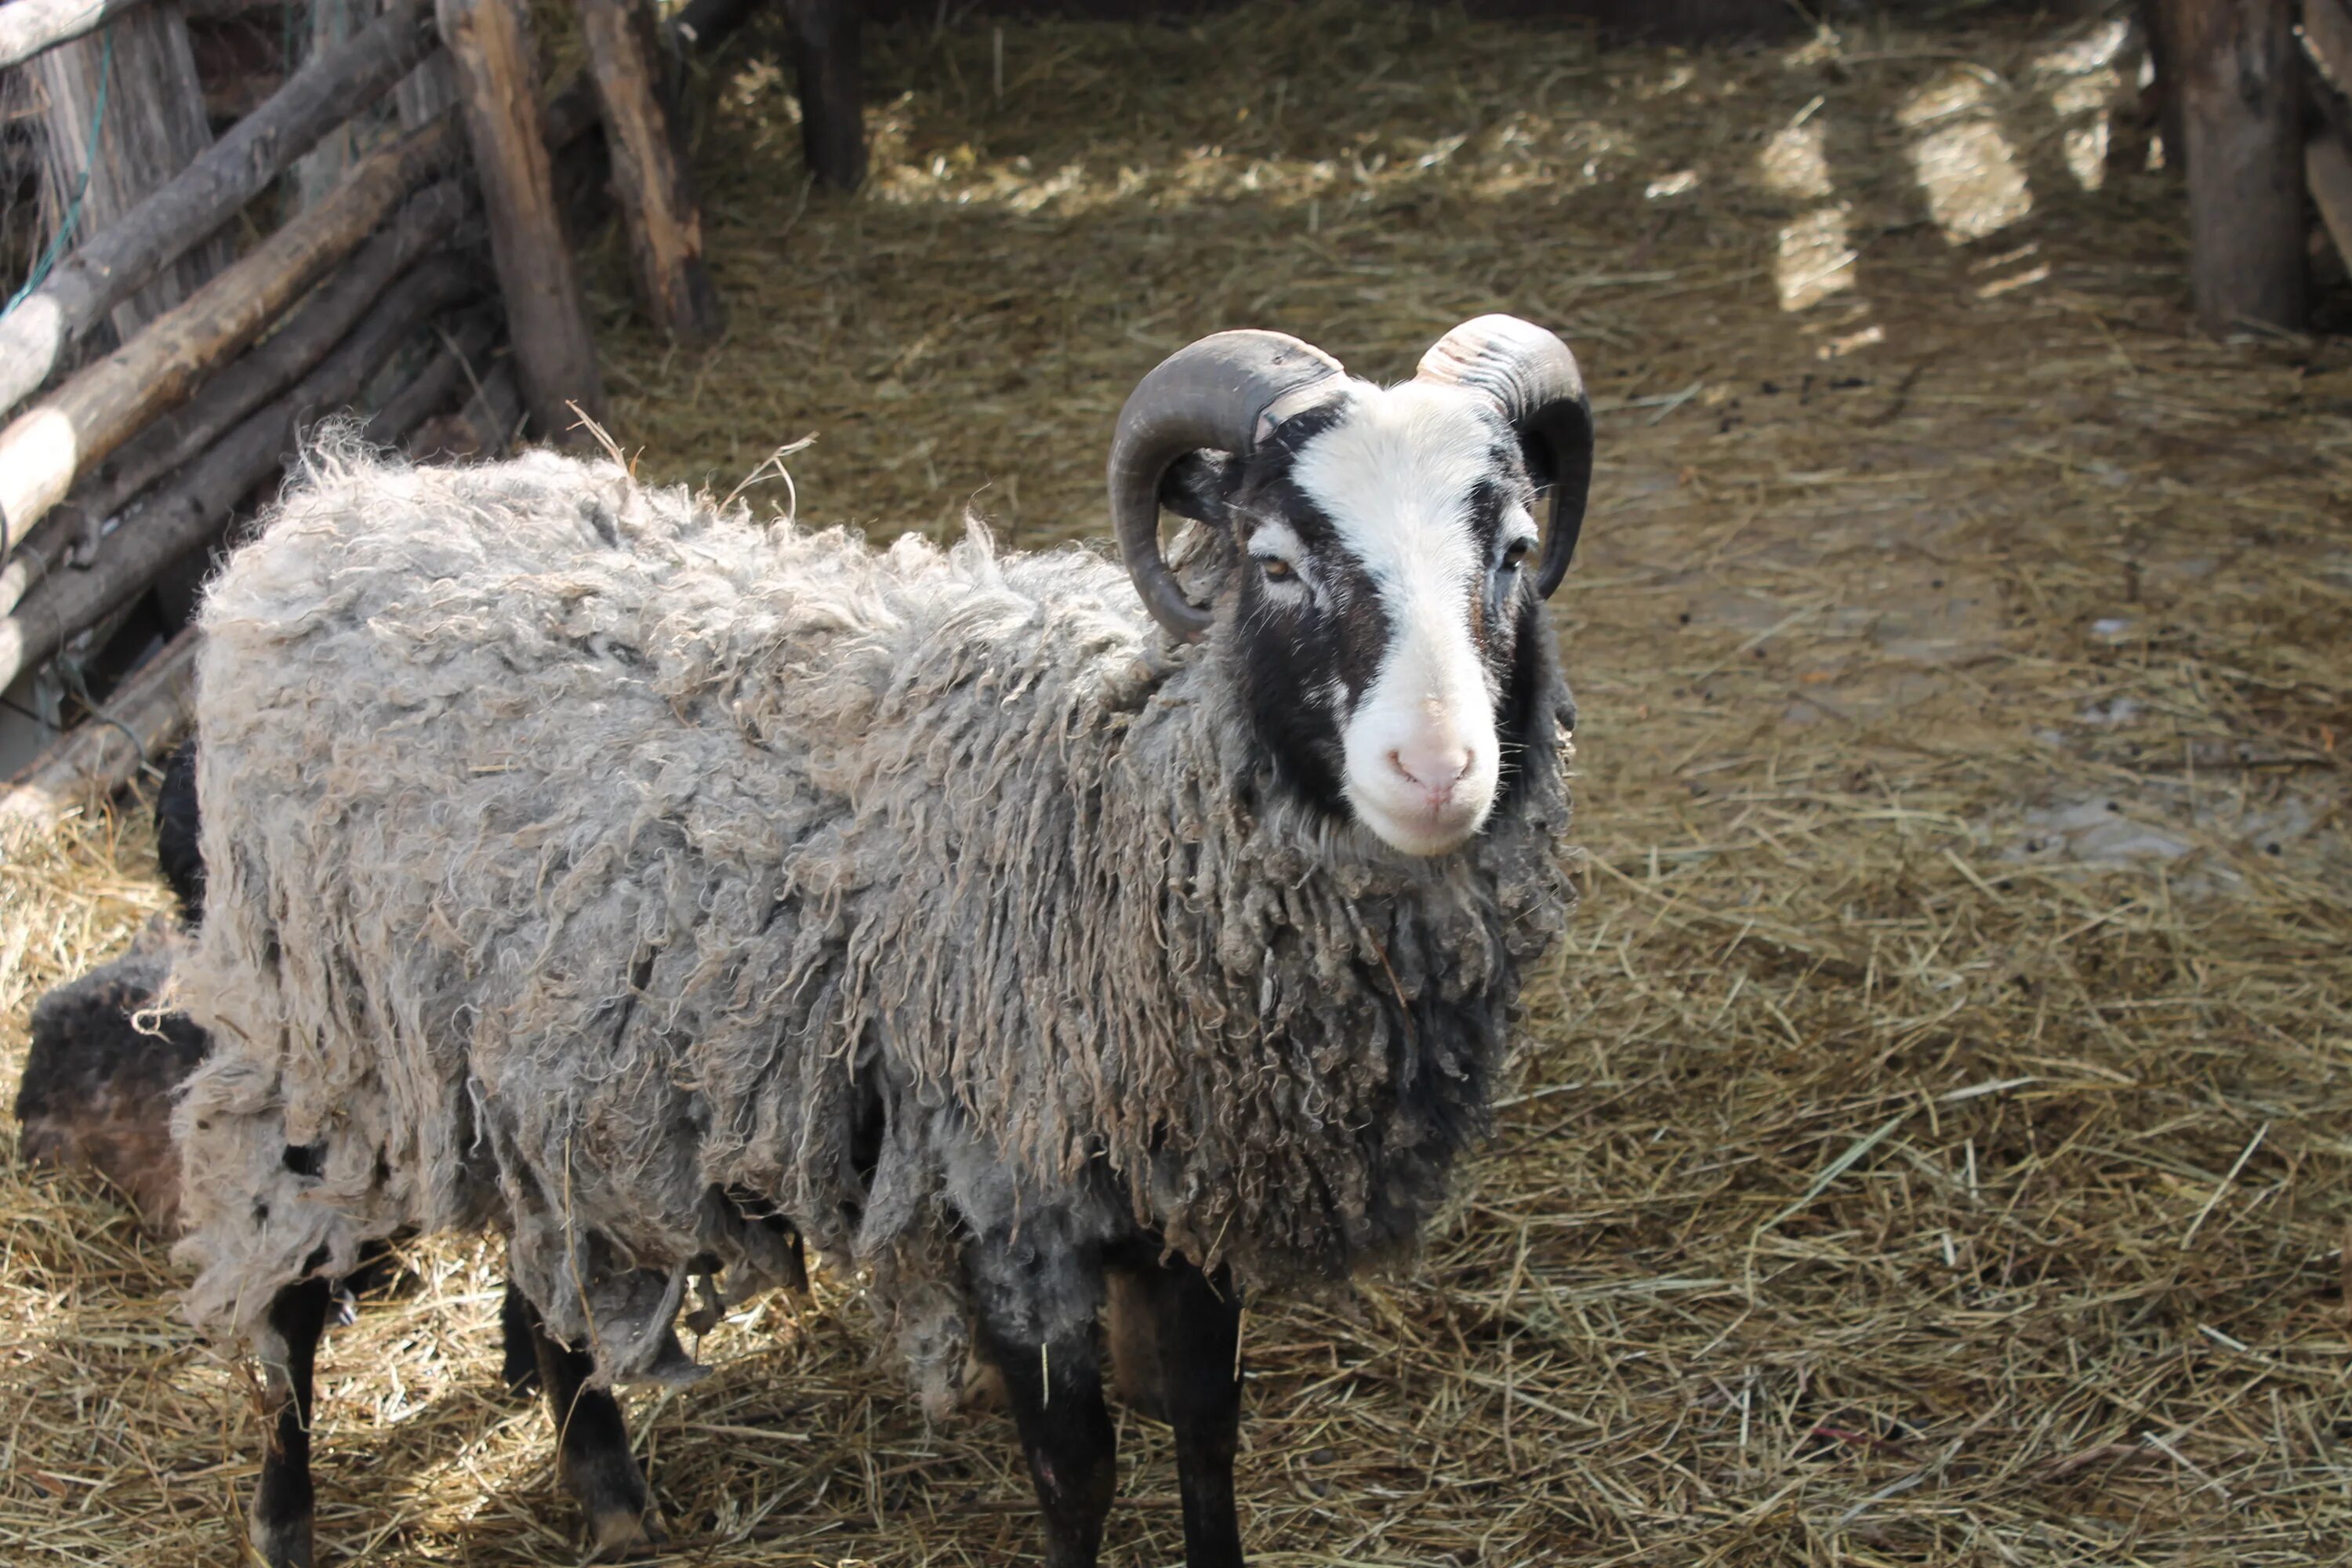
(134, 84)
(181, 436)
(142, 719)
(649, 176)
(2241, 114)
(117, 258)
(181, 516)
(498, 85)
(94, 412)
(29, 27)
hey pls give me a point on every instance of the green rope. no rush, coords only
(57, 249)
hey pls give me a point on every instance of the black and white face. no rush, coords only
(1385, 627)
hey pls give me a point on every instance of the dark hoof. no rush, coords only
(627, 1536)
(285, 1545)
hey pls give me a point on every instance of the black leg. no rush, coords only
(1036, 1309)
(519, 1334)
(833, 121)
(279, 1518)
(591, 1451)
(1199, 1320)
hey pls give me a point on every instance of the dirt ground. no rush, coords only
(1931, 1145)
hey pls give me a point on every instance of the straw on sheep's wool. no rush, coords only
(614, 869)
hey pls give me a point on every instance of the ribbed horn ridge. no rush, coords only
(1220, 394)
(1531, 377)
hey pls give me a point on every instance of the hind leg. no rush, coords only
(592, 1449)
(519, 1343)
(279, 1521)
(1035, 1303)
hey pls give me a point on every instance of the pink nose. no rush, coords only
(1432, 768)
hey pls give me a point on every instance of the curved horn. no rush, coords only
(1529, 375)
(1227, 393)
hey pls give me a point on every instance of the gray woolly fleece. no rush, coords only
(614, 870)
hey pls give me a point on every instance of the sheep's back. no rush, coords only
(535, 800)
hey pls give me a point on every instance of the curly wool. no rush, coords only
(617, 871)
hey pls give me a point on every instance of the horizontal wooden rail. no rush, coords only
(106, 405)
(187, 511)
(181, 436)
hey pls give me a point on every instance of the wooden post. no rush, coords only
(498, 86)
(151, 126)
(649, 176)
(832, 121)
(2241, 116)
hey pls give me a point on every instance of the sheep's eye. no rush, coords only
(1276, 569)
(1516, 555)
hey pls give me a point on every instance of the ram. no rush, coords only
(622, 873)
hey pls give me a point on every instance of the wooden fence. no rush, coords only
(120, 467)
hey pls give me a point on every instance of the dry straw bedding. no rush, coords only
(1914, 1161)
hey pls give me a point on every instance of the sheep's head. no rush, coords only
(1381, 619)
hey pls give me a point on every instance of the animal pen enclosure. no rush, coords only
(1931, 1147)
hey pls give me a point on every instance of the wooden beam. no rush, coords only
(179, 437)
(833, 115)
(2242, 116)
(29, 27)
(124, 115)
(36, 336)
(141, 720)
(498, 90)
(91, 415)
(649, 176)
(184, 514)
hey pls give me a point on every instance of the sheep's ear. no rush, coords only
(1196, 485)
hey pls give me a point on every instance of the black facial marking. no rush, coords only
(1296, 643)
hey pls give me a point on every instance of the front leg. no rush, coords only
(592, 1449)
(279, 1521)
(1036, 1300)
(1198, 1323)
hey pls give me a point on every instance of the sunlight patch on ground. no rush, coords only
(2082, 80)
(1813, 256)
(1965, 164)
(1813, 260)
(1795, 162)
